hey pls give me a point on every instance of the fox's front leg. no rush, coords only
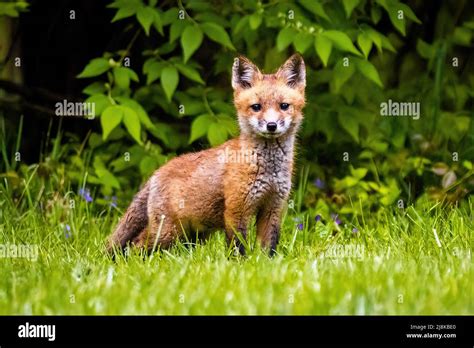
(268, 225)
(236, 223)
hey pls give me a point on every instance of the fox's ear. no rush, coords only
(244, 73)
(293, 71)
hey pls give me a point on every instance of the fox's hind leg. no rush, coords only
(132, 223)
(160, 233)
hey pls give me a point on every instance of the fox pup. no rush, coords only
(223, 187)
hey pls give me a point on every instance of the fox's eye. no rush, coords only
(256, 107)
(284, 106)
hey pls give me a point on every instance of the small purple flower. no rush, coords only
(113, 202)
(86, 194)
(319, 183)
(355, 230)
(317, 218)
(336, 219)
(300, 227)
(67, 230)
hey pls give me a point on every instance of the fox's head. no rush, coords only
(269, 105)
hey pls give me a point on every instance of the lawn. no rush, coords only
(410, 261)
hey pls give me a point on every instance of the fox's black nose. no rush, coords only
(271, 126)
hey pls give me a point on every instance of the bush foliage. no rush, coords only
(175, 96)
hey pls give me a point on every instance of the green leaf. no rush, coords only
(391, 193)
(409, 13)
(132, 123)
(124, 3)
(229, 123)
(132, 74)
(341, 41)
(323, 48)
(110, 119)
(255, 20)
(342, 73)
(142, 114)
(100, 103)
(177, 29)
(303, 41)
(222, 106)
(462, 36)
(147, 64)
(163, 132)
(469, 25)
(425, 50)
(96, 67)
(462, 123)
(349, 6)
(158, 23)
(241, 24)
(396, 14)
(398, 23)
(97, 87)
(375, 13)
(376, 38)
(147, 165)
(358, 173)
(8, 10)
(349, 124)
(387, 44)
(200, 126)
(217, 33)
(216, 134)
(94, 141)
(146, 16)
(193, 107)
(190, 73)
(169, 81)
(191, 40)
(107, 178)
(124, 12)
(368, 70)
(453, 127)
(153, 70)
(285, 38)
(365, 43)
(121, 77)
(316, 8)
(170, 16)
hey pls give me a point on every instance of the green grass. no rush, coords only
(392, 265)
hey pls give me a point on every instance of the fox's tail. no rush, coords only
(132, 223)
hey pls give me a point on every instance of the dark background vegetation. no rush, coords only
(390, 159)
